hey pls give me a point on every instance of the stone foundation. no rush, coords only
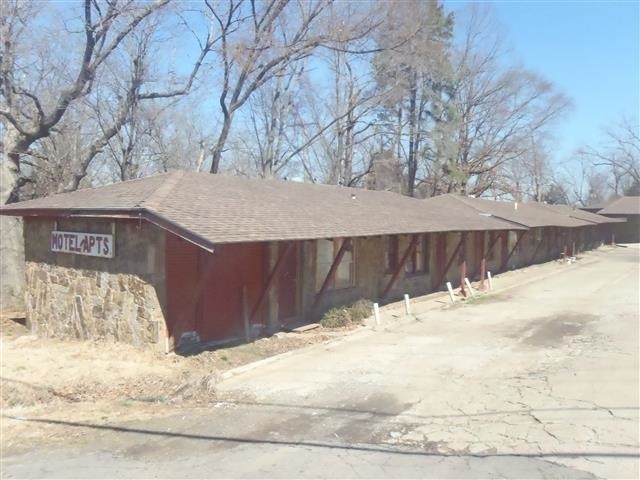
(86, 304)
(89, 298)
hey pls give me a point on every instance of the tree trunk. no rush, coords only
(412, 160)
(216, 151)
(11, 239)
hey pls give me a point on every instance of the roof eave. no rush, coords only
(129, 213)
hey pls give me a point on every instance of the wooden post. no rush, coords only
(463, 275)
(468, 284)
(376, 313)
(245, 314)
(450, 290)
(407, 305)
(463, 264)
(479, 256)
(483, 273)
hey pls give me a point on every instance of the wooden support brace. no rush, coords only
(506, 260)
(346, 243)
(408, 252)
(535, 252)
(271, 279)
(491, 245)
(443, 275)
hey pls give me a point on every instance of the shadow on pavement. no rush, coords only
(315, 444)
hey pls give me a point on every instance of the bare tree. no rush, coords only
(412, 66)
(619, 153)
(271, 138)
(110, 76)
(31, 114)
(52, 73)
(260, 41)
(587, 184)
(341, 130)
(496, 111)
(530, 175)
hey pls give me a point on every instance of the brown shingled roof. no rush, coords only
(622, 206)
(582, 214)
(224, 209)
(528, 214)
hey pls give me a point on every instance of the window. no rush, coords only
(326, 252)
(418, 262)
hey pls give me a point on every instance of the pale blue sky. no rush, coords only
(590, 50)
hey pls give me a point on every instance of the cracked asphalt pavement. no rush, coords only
(539, 381)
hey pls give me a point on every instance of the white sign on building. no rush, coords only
(92, 244)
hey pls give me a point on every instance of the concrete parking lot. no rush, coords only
(537, 381)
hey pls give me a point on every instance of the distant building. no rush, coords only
(627, 208)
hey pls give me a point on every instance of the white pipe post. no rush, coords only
(376, 313)
(450, 290)
(490, 280)
(468, 284)
(407, 305)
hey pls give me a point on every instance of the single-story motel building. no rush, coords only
(623, 208)
(187, 257)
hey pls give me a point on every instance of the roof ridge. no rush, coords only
(155, 198)
(468, 201)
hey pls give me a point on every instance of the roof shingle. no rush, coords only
(622, 206)
(528, 214)
(225, 209)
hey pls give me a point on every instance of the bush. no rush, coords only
(336, 318)
(346, 316)
(360, 310)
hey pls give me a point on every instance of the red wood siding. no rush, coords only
(181, 264)
(234, 266)
(218, 313)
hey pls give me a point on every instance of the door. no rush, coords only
(236, 268)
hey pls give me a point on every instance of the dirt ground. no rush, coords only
(101, 381)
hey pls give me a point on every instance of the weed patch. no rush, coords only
(347, 316)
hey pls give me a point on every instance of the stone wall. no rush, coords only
(83, 297)
(370, 276)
